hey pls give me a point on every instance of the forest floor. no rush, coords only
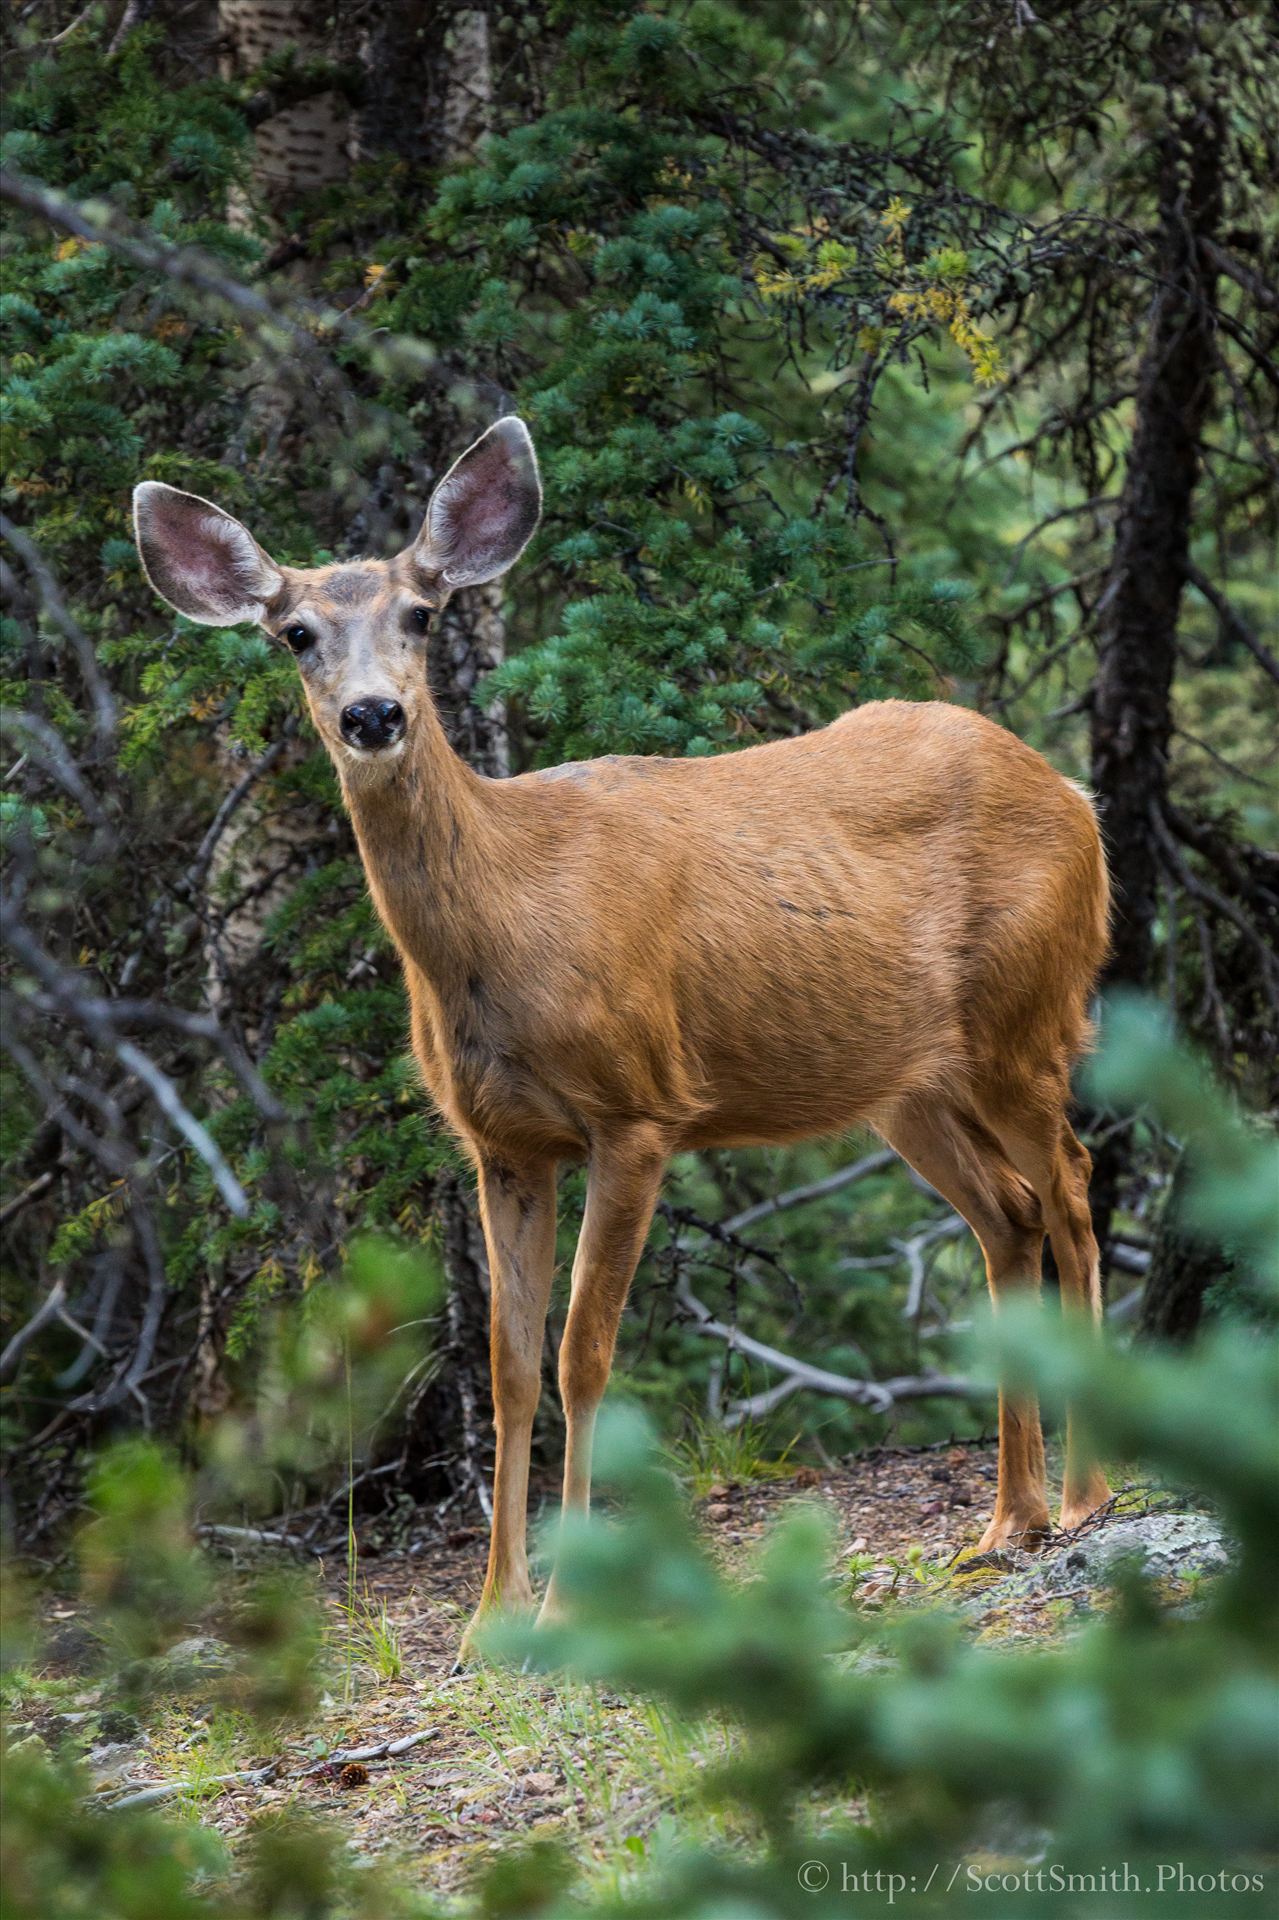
(508, 1756)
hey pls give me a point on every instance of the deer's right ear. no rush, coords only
(199, 559)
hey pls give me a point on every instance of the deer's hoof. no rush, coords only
(1076, 1507)
(552, 1612)
(1025, 1532)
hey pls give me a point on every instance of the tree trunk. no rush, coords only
(1139, 607)
(425, 102)
(303, 143)
(407, 49)
(1138, 610)
(454, 1412)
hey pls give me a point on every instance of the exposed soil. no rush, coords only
(509, 1755)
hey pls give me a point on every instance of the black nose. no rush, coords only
(373, 723)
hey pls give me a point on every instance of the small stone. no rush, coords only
(73, 1647)
(113, 1761)
(115, 1724)
(719, 1511)
(540, 1782)
(201, 1651)
(189, 1665)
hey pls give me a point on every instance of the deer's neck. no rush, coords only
(427, 835)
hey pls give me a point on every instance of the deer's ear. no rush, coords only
(199, 559)
(485, 510)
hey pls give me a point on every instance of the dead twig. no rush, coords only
(880, 1395)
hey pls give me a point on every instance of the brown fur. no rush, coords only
(895, 922)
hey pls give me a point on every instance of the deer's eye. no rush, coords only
(297, 637)
(421, 618)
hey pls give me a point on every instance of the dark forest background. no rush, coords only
(925, 350)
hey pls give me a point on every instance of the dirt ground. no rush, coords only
(508, 1755)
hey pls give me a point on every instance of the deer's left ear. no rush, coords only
(485, 510)
(199, 559)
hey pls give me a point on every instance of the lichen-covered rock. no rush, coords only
(1167, 1546)
(114, 1762)
(189, 1663)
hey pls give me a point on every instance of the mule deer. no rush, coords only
(894, 923)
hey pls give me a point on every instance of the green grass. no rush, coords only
(620, 1764)
(368, 1635)
(708, 1454)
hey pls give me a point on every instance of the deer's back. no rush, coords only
(790, 939)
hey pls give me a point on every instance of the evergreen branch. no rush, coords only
(51, 597)
(296, 328)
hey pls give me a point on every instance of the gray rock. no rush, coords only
(201, 1652)
(115, 1724)
(1167, 1546)
(113, 1761)
(188, 1664)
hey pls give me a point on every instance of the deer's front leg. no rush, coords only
(517, 1207)
(623, 1180)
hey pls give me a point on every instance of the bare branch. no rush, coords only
(1232, 623)
(93, 1015)
(49, 1309)
(880, 1395)
(814, 1190)
(295, 331)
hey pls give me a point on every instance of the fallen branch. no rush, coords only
(169, 1789)
(381, 1750)
(814, 1190)
(880, 1395)
(257, 1776)
(256, 1537)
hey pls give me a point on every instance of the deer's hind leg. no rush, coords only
(1037, 1137)
(959, 1157)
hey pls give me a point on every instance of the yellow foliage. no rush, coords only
(948, 307)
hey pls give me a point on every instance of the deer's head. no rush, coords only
(358, 628)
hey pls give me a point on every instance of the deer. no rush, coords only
(893, 923)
